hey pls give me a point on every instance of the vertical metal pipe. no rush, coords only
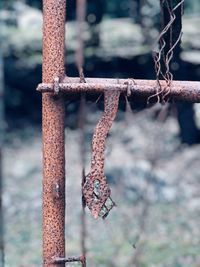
(80, 19)
(53, 134)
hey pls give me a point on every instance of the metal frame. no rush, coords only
(55, 85)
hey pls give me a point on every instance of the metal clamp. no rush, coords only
(56, 87)
(129, 83)
(81, 259)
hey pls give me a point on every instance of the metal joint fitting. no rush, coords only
(56, 86)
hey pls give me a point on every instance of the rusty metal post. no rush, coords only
(53, 134)
(80, 19)
(79, 56)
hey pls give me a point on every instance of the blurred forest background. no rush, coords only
(152, 158)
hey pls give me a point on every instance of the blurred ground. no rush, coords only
(155, 183)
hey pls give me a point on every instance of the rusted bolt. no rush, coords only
(56, 190)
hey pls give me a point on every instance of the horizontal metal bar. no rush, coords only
(188, 91)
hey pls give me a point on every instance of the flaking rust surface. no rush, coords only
(96, 190)
(53, 134)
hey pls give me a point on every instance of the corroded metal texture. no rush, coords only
(188, 91)
(53, 134)
(96, 191)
